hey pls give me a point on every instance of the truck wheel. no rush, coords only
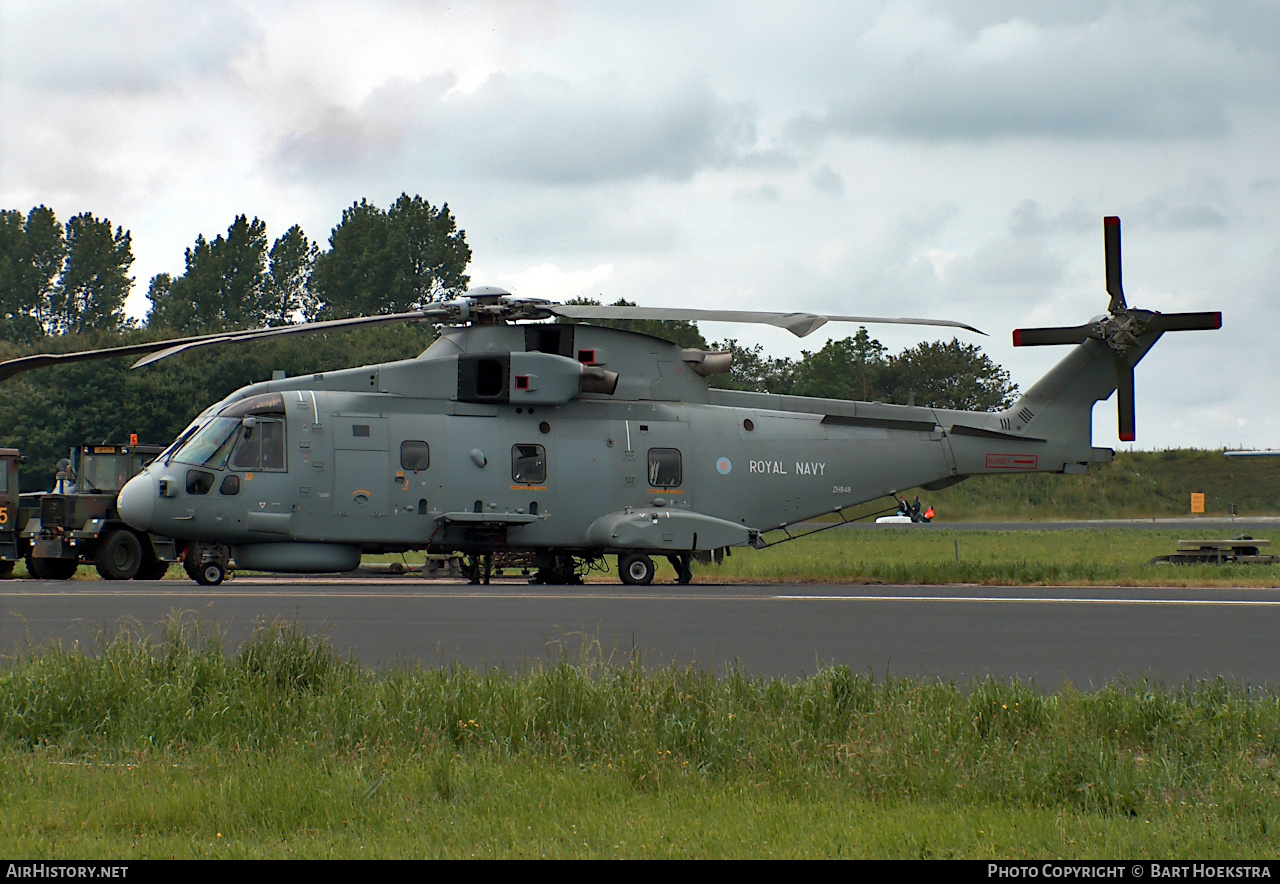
(6, 570)
(636, 569)
(119, 556)
(211, 574)
(51, 569)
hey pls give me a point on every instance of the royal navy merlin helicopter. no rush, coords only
(572, 443)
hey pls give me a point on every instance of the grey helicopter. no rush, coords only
(571, 443)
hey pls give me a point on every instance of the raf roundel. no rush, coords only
(723, 466)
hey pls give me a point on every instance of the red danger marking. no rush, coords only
(1013, 461)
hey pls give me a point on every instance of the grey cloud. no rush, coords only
(1029, 218)
(827, 180)
(532, 127)
(128, 48)
(921, 77)
(1011, 263)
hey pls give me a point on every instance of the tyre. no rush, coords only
(51, 569)
(636, 569)
(119, 556)
(210, 574)
(6, 570)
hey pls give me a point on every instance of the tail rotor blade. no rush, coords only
(1035, 337)
(1127, 418)
(1185, 321)
(1111, 239)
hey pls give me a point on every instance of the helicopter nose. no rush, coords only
(137, 501)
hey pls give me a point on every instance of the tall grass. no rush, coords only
(1121, 750)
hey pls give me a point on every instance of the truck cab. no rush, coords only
(78, 521)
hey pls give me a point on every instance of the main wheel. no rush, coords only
(636, 569)
(51, 569)
(210, 574)
(119, 556)
(6, 570)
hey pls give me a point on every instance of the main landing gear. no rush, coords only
(637, 569)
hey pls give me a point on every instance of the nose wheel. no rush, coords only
(206, 565)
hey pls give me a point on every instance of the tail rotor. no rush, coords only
(1120, 330)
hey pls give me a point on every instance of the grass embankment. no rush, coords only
(933, 554)
(172, 747)
(1136, 485)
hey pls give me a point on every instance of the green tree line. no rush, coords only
(63, 288)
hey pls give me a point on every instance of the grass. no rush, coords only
(934, 554)
(1135, 485)
(174, 745)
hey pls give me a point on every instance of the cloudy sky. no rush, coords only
(940, 159)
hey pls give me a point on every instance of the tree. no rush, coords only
(288, 282)
(32, 251)
(390, 262)
(754, 370)
(850, 368)
(950, 375)
(224, 286)
(95, 281)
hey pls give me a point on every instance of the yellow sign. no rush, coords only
(1197, 502)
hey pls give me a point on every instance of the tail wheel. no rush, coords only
(636, 569)
(211, 574)
(119, 556)
(51, 569)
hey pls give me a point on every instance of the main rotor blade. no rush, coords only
(1185, 321)
(1111, 240)
(162, 349)
(1035, 337)
(1125, 414)
(799, 324)
(306, 328)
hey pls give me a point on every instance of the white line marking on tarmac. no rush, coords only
(1079, 601)
(419, 595)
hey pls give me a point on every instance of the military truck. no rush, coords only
(78, 521)
(13, 514)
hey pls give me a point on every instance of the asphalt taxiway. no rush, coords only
(1083, 635)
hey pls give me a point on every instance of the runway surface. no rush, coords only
(1087, 636)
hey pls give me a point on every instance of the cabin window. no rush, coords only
(664, 467)
(414, 455)
(199, 482)
(230, 485)
(261, 446)
(529, 464)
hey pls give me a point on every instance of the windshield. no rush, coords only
(103, 472)
(211, 444)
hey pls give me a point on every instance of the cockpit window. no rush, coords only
(211, 444)
(261, 445)
(263, 403)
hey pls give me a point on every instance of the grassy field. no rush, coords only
(1136, 485)
(177, 746)
(935, 554)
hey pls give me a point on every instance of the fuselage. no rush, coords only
(495, 439)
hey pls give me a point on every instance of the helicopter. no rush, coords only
(570, 443)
